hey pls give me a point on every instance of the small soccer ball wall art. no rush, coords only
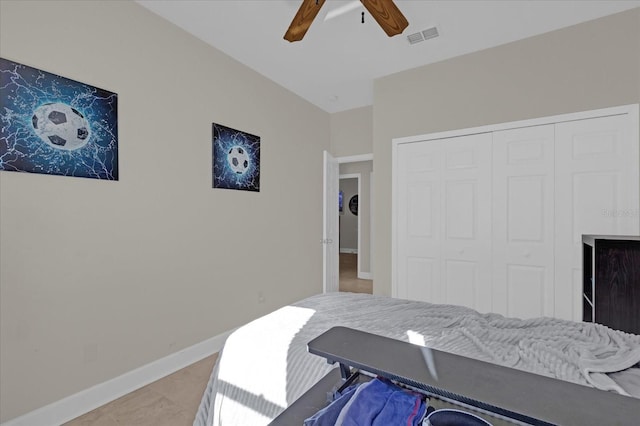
(54, 125)
(236, 159)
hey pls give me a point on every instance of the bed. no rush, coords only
(264, 365)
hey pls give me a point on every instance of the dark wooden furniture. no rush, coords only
(611, 281)
(506, 392)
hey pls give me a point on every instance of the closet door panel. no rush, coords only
(418, 223)
(523, 217)
(421, 279)
(462, 284)
(596, 193)
(466, 217)
(526, 291)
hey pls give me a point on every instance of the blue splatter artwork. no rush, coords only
(236, 159)
(53, 125)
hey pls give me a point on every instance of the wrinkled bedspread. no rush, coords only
(265, 366)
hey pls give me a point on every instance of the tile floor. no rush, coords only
(349, 280)
(174, 400)
(170, 401)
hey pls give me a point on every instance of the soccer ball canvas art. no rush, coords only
(236, 159)
(54, 125)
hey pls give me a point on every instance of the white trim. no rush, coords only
(394, 216)
(96, 396)
(634, 114)
(360, 197)
(371, 228)
(350, 176)
(349, 250)
(355, 158)
(365, 275)
(632, 110)
(583, 115)
(326, 158)
(325, 178)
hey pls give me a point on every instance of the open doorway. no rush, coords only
(333, 167)
(354, 227)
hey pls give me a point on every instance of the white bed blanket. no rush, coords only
(265, 365)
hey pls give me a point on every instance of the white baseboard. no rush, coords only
(365, 275)
(349, 250)
(89, 399)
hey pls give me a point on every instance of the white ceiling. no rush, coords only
(335, 64)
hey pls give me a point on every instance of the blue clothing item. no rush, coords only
(380, 403)
(365, 405)
(402, 408)
(329, 414)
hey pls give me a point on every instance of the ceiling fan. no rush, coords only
(385, 12)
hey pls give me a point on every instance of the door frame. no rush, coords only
(330, 231)
(342, 160)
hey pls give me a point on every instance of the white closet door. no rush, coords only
(419, 170)
(466, 221)
(444, 221)
(523, 210)
(596, 193)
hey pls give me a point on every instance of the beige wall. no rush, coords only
(98, 278)
(351, 132)
(364, 209)
(587, 66)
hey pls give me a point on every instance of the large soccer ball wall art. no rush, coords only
(236, 159)
(53, 125)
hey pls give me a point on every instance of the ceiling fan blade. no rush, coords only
(303, 19)
(388, 16)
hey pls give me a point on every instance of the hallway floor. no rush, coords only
(349, 280)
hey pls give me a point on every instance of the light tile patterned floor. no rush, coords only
(171, 401)
(174, 400)
(349, 280)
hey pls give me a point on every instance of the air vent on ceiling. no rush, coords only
(423, 35)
